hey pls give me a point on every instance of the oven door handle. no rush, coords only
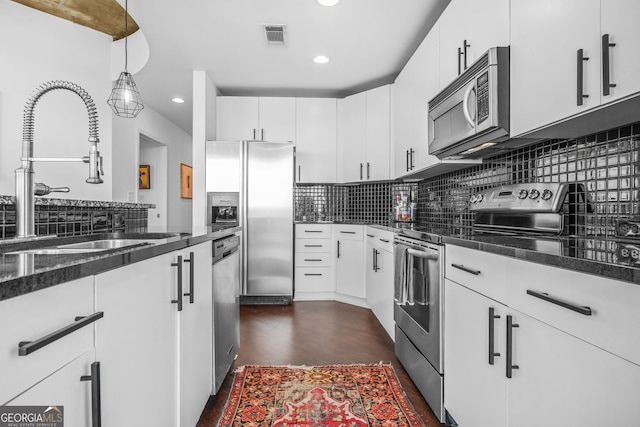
(422, 254)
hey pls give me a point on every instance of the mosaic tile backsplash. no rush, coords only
(76, 217)
(606, 165)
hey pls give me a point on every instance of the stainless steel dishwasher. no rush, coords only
(226, 306)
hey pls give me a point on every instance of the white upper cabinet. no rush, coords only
(252, 118)
(619, 21)
(545, 70)
(468, 28)
(316, 140)
(364, 136)
(378, 133)
(277, 119)
(415, 86)
(352, 122)
(576, 70)
(236, 118)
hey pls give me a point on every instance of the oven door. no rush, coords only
(419, 315)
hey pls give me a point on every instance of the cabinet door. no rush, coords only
(352, 121)
(63, 388)
(414, 87)
(382, 300)
(196, 333)
(476, 391)
(349, 262)
(277, 117)
(237, 118)
(481, 25)
(544, 72)
(136, 343)
(316, 140)
(564, 381)
(620, 21)
(370, 275)
(378, 120)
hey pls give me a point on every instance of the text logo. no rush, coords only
(31, 416)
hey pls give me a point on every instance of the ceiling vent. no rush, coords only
(276, 35)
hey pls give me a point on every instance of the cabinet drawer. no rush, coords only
(385, 241)
(313, 231)
(371, 235)
(614, 317)
(313, 245)
(36, 315)
(477, 270)
(348, 232)
(314, 280)
(313, 259)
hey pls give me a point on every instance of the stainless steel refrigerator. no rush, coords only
(263, 175)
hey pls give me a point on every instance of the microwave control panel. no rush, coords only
(482, 88)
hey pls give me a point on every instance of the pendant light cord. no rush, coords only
(126, 34)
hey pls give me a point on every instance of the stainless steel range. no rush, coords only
(418, 289)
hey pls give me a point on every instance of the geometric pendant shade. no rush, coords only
(125, 100)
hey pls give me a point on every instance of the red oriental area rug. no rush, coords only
(308, 396)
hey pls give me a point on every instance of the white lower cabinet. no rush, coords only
(195, 326)
(136, 343)
(349, 254)
(504, 367)
(33, 317)
(313, 262)
(156, 346)
(379, 277)
(64, 390)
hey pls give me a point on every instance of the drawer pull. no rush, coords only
(96, 401)
(312, 246)
(384, 240)
(313, 231)
(311, 259)
(586, 311)
(313, 274)
(27, 347)
(467, 269)
(370, 235)
(348, 232)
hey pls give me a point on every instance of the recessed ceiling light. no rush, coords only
(328, 2)
(178, 100)
(320, 59)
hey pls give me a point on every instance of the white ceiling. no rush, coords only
(368, 42)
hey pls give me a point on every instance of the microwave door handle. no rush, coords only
(465, 106)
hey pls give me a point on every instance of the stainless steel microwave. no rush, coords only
(470, 117)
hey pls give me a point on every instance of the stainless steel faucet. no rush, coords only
(25, 186)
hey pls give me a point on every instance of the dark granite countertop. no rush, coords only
(21, 273)
(608, 257)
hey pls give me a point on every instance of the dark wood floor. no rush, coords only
(313, 333)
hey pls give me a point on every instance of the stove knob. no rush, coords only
(523, 194)
(534, 194)
(480, 198)
(546, 194)
(472, 199)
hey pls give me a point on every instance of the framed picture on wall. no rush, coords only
(144, 177)
(186, 181)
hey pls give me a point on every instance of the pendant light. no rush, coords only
(125, 100)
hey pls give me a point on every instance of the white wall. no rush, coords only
(204, 128)
(36, 48)
(154, 155)
(126, 137)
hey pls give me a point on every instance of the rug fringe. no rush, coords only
(310, 367)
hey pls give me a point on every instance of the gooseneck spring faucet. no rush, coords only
(25, 186)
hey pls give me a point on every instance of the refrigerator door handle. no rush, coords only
(243, 219)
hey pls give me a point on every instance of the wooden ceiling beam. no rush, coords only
(106, 16)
